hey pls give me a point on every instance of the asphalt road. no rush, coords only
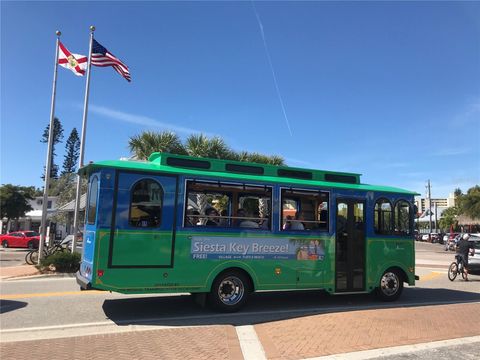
(12, 257)
(58, 301)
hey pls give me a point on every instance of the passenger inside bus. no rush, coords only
(247, 221)
(212, 217)
(297, 223)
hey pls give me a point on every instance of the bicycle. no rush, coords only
(456, 268)
(31, 258)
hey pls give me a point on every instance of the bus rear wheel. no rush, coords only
(229, 291)
(391, 285)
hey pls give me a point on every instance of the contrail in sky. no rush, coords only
(271, 67)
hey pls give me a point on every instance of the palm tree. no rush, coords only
(148, 142)
(198, 145)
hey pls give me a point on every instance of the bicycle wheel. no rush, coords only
(28, 261)
(33, 257)
(464, 276)
(452, 271)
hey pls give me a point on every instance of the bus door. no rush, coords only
(142, 233)
(350, 246)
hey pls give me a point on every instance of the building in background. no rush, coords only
(33, 218)
(423, 203)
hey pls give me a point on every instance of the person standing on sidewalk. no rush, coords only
(463, 247)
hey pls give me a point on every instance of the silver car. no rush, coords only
(474, 261)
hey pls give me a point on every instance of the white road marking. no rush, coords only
(397, 350)
(250, 343)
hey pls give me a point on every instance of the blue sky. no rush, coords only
(390, 90)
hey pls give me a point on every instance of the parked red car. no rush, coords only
(23, 239)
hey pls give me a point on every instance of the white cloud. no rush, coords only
(141, 120)
(471, 114)
(450, 152)
(298, 162)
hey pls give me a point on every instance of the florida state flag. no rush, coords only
(75, 62)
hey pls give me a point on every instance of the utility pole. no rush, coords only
(429, 205)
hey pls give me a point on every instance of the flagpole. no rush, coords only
(43, 227)
(82, 147)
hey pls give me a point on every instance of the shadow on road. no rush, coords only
(9, 305)
(266, 306)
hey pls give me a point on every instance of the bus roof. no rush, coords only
(236, 170)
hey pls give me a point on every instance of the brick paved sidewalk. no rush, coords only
(197, 343)
(295, 338)
(337, 333)
(16, 271)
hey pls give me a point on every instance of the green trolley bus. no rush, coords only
(225, 229)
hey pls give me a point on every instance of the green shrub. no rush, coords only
(63, 262)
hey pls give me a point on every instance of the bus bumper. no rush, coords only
(84, 283)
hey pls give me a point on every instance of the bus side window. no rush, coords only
(146, 204)
(383, 217)
(304, 210)
(402, 218)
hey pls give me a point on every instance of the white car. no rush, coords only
(474, 261)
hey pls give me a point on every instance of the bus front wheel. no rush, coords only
(229, 291)
(391, 285)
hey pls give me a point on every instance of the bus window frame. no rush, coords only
(309, 190)
(131, 202)
(97, 181)
(410, 217)
(231, 205)
(392, 216)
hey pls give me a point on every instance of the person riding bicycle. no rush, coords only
(463, 247)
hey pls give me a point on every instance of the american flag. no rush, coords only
(102, 57)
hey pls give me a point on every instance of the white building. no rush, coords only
(33, 218)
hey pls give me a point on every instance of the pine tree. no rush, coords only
(72, 151)
(57, 138)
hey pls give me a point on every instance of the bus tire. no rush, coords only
(229, 291)
(391, 285)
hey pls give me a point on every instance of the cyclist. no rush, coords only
(463, 247)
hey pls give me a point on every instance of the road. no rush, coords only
(54, 307)
(12, 257)
(58, 301)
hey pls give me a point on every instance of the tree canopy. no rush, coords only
(72, 152)
(57, 138)
(197, 145)
(469, 203)
(14, 200)
(465, 204)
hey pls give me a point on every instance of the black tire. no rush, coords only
(452, 271)
(391, 285)
(5, 244)
(33, 257)
(229, 291)
(27, 258)
(464, 275)
(30, 245)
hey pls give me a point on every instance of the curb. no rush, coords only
(38, 276)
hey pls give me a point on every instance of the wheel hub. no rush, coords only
(389, 284)
(231, 290)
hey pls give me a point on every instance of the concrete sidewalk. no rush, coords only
(18, 271)
(295, 338)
